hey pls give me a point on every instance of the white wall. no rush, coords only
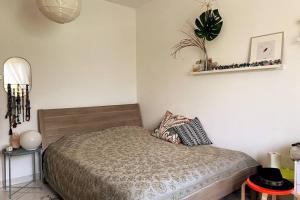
(89, 62)
(253, 112)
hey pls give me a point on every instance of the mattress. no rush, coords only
(127, 163)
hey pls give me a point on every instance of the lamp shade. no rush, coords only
(30, 140)
(60, 11)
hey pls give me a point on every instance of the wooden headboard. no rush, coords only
(56, 123)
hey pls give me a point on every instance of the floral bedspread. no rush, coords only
(127, 163)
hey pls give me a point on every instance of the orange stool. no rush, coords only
(265, 192)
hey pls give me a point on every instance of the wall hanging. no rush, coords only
(17, 84)
(60, 11)
(266, 47)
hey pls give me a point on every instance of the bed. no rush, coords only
(104, 153)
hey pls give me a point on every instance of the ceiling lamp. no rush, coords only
(60, 11)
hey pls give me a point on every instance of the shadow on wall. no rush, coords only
(32, 20)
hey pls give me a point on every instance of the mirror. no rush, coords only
(17, 84)
(17, 72)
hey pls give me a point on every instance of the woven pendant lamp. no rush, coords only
(60, 11)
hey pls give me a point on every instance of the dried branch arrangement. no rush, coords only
(207, 27)
(191, 40)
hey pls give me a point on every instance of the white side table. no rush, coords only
(297, 178)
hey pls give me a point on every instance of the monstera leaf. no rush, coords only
(209, 25)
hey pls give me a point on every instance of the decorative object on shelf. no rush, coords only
(60, 11)
(199, 66)
(267, 47)
(30, 140)
(295, 151)
(215, 67)
(211, 65)
(15, 141)
(244, 65)
(241, 69)
(17, 84)
(207, 27)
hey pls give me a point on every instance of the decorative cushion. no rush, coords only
(170, 120)
(192, 133)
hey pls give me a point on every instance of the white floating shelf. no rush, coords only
(242, 69)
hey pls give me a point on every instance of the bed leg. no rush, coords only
(44, 181)
(253, 195)
(264, 197)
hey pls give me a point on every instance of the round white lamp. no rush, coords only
(30, 140)
(60, 11)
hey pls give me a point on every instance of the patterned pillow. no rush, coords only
(192, 133)
(170, 120)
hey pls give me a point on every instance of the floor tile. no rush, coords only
(36, 191)
(43, 192)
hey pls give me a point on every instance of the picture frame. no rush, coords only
(267, 47)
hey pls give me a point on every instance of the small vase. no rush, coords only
(15, 141)
(199, 66)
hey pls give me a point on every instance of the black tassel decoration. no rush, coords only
(18, 103)
(9, 107)
(23, 105)
(27, 107)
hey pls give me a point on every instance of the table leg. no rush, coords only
(243, 191)
(40, 165)
(4, 172)
(9, 176)
(253, 195)
(33, 167)
(264, 197)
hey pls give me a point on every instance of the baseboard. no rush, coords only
(19, 180)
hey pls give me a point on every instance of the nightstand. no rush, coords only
(7, 155)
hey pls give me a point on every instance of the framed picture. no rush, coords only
(267, 47)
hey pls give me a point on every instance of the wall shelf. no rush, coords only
(242, 69)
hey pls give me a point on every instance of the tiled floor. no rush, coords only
(37, 191)
(42, 192)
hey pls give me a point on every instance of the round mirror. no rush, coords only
(17, 72)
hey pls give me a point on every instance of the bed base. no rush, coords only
(224, 187)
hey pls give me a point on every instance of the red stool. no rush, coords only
(265, 192)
